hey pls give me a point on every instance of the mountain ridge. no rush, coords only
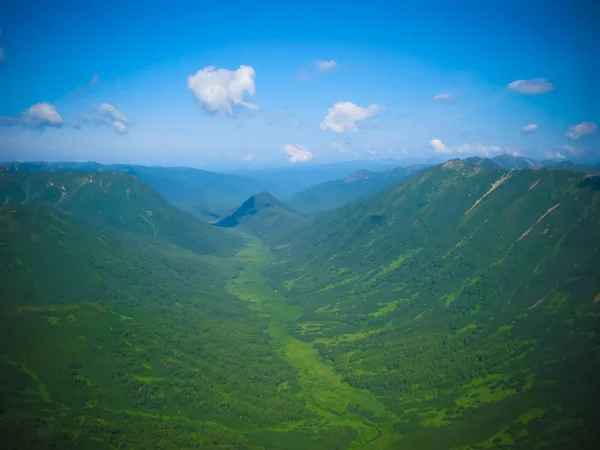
(115, 200)
(203, 193)
(458, 277)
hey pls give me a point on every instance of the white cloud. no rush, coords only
(220, 90)
(342, 116)
(297, 152)
(326, 66)
(119, 127)
(438, 145)
(444, 97)
(109, 115)
(248, 157)
(531, 128)
(370, 151)
(581, 129)
(40, 115)
(474, 148)
(571, 150)
(531, 87)
(110, 112)
(554, 155)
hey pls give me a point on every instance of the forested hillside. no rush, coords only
(112, 341)
(467, 298)
(458, 309)
(116, 200)
(205, 194)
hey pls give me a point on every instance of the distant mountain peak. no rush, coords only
(263, 198)
(359, 174)
(454, 164)
(266, 216)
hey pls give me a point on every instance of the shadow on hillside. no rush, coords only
(591, 181)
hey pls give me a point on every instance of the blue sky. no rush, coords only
(110, 81)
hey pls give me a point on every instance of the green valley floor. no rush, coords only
(336, 403)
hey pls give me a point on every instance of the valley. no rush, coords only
(455, 309)
(295, 226)
(335, 402)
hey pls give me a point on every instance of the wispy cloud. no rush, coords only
(303, 75)
(535, 86)
(107, 115)
(326, 66)
(81, 89)
(115, 118)
(320, 66)
(473, 148)
(554, 155)
(109, 111)
(444, 98)
(581, 129)
(571, 150)
(343, 147)
(531, 128)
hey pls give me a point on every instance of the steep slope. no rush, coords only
(116, 200)
(205, 194)
(116, 341)
(265, 216)
(360, 184)
(468, 297)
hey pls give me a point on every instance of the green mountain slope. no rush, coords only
(205, 194)
(456, 310)
(467, 298)
(113, 341)
(361, 184)
(264, 216)
(120, 201)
